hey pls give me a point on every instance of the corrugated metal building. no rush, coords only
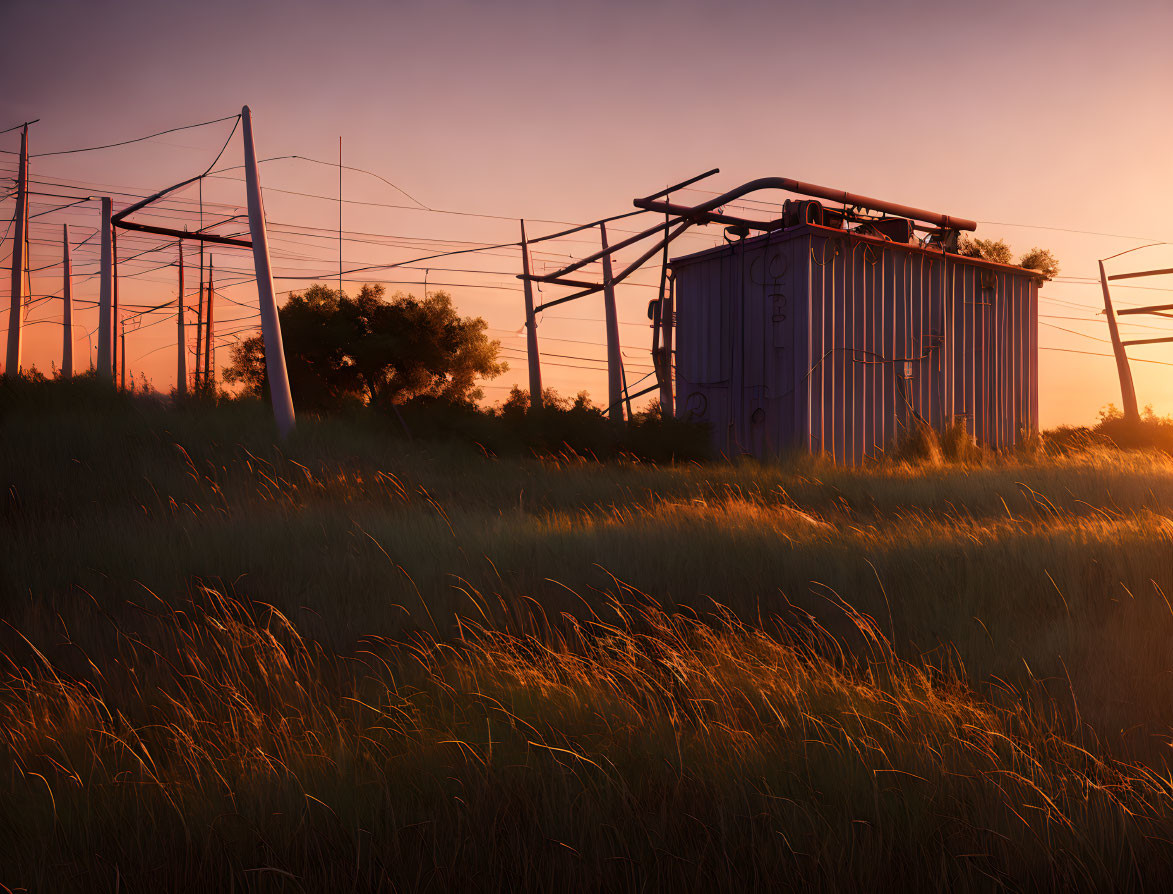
(834, 341)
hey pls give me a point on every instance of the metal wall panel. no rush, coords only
(837, 344)
(736, 363)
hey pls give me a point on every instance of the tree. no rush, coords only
(998, 251)
(372, 350)
(995, 250)
(1042, 260)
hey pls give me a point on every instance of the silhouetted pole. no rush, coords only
(614, 358)
(208, 350)
(531, 330)
(181, 336)
(199, 354)
(106, 297)
(667, 313)
(67, 306)
(1127, 389)
(270, 321)
(119, 324)
(19, 259)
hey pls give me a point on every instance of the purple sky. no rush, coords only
(1056, 115)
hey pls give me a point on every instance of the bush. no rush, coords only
(920, 444)
(562, 426)
(1148, 432)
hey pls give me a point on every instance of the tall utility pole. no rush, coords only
(106, 297)
(67, 307)
(199, 354)
(19, 258)
(667, 318)
(208, 350)
(181, 337)
(614, 357)
(662, 327)
(1127, 389)
(200, 300)
(531, 330)
(119, 325)
(270, 321)
(340, 216)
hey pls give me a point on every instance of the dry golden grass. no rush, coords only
(352, 663)
(636, 749)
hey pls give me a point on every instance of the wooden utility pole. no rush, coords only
(275, 369)
(106, 297)
(67, 307)
(1127, 389)
(531, 330)
(209, 352)
(662, 327)
(199, 354)
(614, 357)
(667, 318)
(119, 324)
(340, 218)
(19, 259)
(180, 337)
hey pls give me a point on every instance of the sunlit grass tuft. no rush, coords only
(352, 662)
(638, 746)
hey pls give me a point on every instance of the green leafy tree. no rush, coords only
(1042, 260)
(373, 350)
(995, 250)
(998, 251)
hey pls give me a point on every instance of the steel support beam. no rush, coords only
(1147, 341)
(1152, 309)
(1165, 272)
(183, 234)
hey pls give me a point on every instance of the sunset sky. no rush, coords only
(1049, 123)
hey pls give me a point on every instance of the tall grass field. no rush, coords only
(357, 661)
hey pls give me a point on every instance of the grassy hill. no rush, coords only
(355, 660)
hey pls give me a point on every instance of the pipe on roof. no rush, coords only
(819, 192)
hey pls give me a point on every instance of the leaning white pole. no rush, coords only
(1127, 388)
(531, 330)
(614, 357)
(19, 259)
(67, 307)
(270, 321)
(106, 297)
(180, 336)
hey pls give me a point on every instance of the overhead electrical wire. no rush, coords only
(127, 142)
(175, 207)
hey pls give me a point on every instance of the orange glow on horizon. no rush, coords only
(1040, 123)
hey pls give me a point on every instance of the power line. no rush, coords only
(994, 223)
(19, 126)
(1101, 354)
(335, 165)
(128, 142)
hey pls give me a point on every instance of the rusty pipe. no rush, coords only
(819, 192)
